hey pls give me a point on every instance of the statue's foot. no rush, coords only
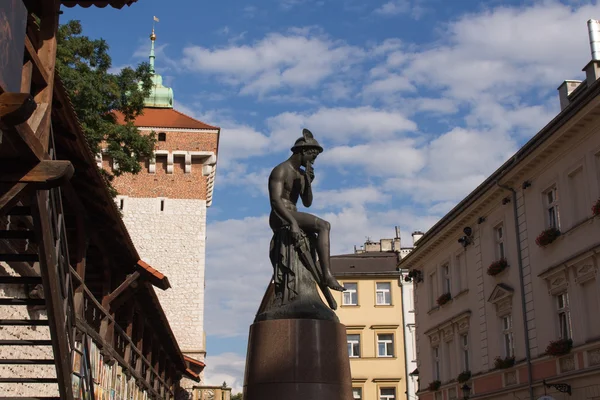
(333, 284)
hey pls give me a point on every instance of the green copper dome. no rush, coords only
(160, 96)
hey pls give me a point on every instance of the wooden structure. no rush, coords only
(62, 239)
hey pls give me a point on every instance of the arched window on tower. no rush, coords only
(162, 137)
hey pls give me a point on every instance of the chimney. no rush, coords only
(592, 69)
(565, 90)
(386, 244)
(397, 244)
(416, 235)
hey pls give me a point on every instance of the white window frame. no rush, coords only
(383, 291)
(433, 289)
(386, 342)
(499, 234)
(508, 343)
(347, 294)
(551, 207)
(435, 355)
(563, 312)
(387, 396)
(352, 343)
(446, 278)
(464, 346)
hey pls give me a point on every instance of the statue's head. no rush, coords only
(307, 146)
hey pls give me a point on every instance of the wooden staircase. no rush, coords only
(37, 321)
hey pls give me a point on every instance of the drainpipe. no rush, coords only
(522, 285)
(402, 290)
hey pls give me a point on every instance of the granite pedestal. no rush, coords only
(297, 359)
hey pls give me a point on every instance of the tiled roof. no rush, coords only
(165, 118)
(97, 3)
(365, 263)
(153, 275)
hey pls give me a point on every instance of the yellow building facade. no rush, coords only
(371, 309)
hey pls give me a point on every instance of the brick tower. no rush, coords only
(164, 209)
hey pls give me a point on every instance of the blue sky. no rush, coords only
(415, 102)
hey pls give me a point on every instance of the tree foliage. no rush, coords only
(237, 396)
(96, 92)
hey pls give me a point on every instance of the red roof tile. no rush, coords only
(97, 3)
(166, 118)
(154, 276)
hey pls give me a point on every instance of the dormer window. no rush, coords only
(162, 137)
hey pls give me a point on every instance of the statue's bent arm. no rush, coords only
(275, 196)
(307, 196)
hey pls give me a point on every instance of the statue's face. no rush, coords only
(309, 156)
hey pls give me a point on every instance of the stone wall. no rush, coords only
(173, 242)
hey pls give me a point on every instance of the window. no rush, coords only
(121, 203)
(552, 212)
(385, 345)
(162, 137)
(433, 290)
(350, 297)
(589, 294)
(507, 336)
(162, 205)
(357, 393)
(461, 269)
(447, 283)
(436, 363)
(464, 342)
(499, 236)
(384, 295)
(387, 394)
(353, 345)
(577, 192)
(564, 316)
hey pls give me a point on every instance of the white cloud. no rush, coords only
(340, 125)
(381, 158)
(394, 7)
(353, 196)
(225, 367)
(298, 59)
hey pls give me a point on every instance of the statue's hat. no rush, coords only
(307, 141)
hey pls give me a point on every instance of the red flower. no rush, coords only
(546, 237)
(596, 208)
(497, 266)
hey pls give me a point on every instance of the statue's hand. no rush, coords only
(310, 173)
(296, 232)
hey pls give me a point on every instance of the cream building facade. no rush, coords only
(505, 308)
(371, 309)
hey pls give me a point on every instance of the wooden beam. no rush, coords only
(139, 343)
(130, 313)
(47, 55)
(40, 68)
(39, 116)
(25, 142)
(26, 77)
(46, 174)
(10, 195)
(131, 280)
(16, 108)
(52, 292)
(153, 276)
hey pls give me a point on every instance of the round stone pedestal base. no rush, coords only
(297, 359)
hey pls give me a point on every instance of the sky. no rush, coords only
(415, 101)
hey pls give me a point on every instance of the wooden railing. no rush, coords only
(123, 350)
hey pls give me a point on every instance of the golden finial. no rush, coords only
(153, 36)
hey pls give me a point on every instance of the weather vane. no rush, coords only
(155, 20)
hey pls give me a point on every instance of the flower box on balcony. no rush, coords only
(503, 363)
(435, 385)
(559, 347)
(443, 299)
(464, 376)
(497, 266)
(546, 237)
(596, 208)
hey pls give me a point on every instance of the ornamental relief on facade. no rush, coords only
(593, 357)
(567, 364)
(510, 378)
(585, 270)
(558, 282)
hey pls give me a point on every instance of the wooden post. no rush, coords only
(129, 330)
(52, 293)
(140, 341)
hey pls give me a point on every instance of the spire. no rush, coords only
(160, 96)
(152, 56)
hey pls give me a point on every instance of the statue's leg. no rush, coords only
(310, 223)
